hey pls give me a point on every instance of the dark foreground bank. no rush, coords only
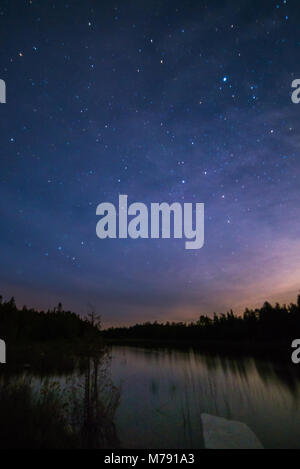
(37, 411)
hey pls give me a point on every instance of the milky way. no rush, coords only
(167, 102)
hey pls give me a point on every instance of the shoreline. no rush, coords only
(270, 350)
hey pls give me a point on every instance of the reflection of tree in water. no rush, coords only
(269, 371)
(101, 399)
(94, 407)
(95, 415)
(54, 413)
(286, 375)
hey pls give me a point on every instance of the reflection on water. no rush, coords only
(164, 392)
(80, 401)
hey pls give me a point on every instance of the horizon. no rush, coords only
(178, 319)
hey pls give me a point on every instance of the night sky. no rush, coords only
(166, 101)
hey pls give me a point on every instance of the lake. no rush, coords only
(165, 391)
(156, 396)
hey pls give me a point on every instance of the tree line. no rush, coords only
(268, 323)
(278, 323)
(27, 325)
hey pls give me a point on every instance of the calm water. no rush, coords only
(164, 392)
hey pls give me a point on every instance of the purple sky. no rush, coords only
(166, 102)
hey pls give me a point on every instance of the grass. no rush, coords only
(46, 415)
(35, 422)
